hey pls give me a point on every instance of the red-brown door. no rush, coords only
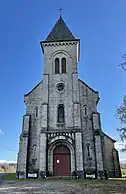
(61, 161)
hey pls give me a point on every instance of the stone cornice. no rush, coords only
(63, 130)
(59, 43)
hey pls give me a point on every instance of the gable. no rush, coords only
(34, 93)
(87, 90)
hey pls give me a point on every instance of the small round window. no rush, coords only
(60, 87)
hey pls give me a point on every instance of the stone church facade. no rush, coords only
(61, 131)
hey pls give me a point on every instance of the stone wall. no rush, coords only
(111, 157)
(46, 98)
(117, 168)
(34, 100)
(88, 101)
(80, 103)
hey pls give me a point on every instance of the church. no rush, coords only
(61, 131)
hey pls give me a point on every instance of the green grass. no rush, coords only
(12, 176)
(123, 170)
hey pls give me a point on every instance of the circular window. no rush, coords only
(60, 87)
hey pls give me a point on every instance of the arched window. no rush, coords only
(34, 150)
(57, 65)
(85, 109)
(36, 111)
(63, 65)
(61, 116)
(34, 161)
(88, 149)
(34, 147)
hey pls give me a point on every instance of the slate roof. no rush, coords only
(60, 32)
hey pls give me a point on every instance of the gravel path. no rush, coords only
(59, 187)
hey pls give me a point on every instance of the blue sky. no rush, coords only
(23, 24)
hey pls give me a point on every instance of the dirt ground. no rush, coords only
(60, 187)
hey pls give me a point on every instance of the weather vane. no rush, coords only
(60, 11)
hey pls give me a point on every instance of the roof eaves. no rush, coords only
(46, 41)
(109, 137)
(88, 86)
(25, 95)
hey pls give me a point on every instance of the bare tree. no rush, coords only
(123, 62)
(5, 167)
(121, 115)
(121, 110)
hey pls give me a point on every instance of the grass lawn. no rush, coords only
(12, 176)
(123, 170)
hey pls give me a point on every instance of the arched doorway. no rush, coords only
(61, 161)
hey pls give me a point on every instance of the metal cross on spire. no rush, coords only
(60, 11)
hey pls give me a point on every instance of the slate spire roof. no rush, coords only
(60, 32)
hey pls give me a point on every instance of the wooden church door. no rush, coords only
(61, 161)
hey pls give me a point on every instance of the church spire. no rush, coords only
(60, 32)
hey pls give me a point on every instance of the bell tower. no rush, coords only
(61, 103)
(60, 75)
(60, 45)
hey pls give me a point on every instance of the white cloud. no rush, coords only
(1, 132)
(7, 161)
(119, 145)
(122, 155)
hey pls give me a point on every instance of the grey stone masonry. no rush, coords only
(45, 88)
(42, 151)
(98, 146)
(99, 157)
(64, 116)
(96, 124)
(44, 114)
(79, 155)
(117, 170)
(22, 158)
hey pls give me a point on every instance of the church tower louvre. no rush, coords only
(61, 131)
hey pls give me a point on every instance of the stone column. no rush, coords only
(79, 155)
(44, 118)
(42, 150)
(45, 86)
(75, 87)
(44, 127)
(76, 102)
(23, 148)
(22, 163)
(98, 146)
(77, 121)
(99, 157)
